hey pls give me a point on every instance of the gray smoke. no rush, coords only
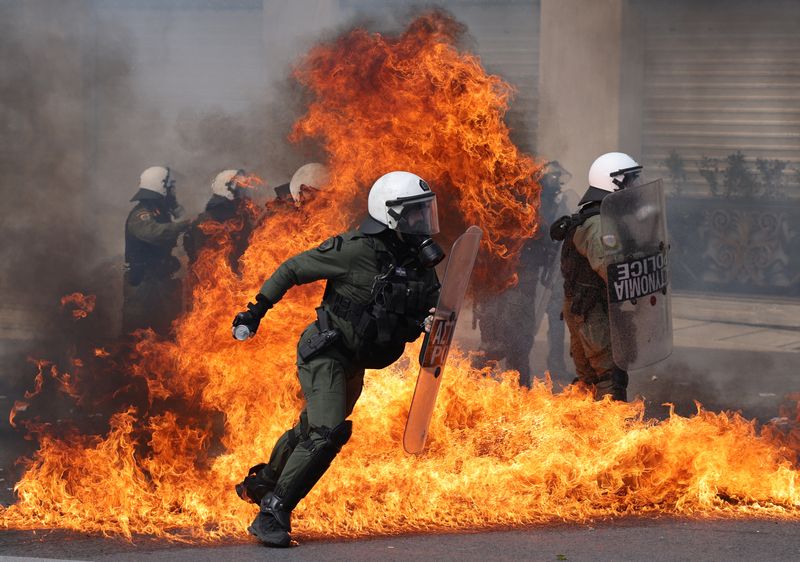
(54, 67)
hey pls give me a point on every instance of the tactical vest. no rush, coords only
(582, 285)
(143, 257)
(402, 294)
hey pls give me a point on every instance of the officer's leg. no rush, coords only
(262, 478)
(519, 351)
(583, 367)
(355, 384)
(287, 443)
(135, 314)
(596, 335)
(324, 380)
(165, 305)
(491, 330)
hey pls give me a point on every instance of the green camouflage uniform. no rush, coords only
(151, 297)
(591, 339)
(586, 308)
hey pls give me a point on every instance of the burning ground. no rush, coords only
(185, 418)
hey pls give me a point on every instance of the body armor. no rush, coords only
(582, 285)
(144, 258)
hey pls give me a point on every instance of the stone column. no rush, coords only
(589, 83)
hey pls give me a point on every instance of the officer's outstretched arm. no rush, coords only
(332, 259)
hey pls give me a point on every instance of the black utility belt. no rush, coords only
(311, 346)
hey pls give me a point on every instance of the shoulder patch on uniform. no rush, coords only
(330, 243)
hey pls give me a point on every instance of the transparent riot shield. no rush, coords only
(437, 343)
(634, 236)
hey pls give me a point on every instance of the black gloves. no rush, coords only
(254, 313)
(559, 229)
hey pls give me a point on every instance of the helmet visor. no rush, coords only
(418, 216)
(627, 178)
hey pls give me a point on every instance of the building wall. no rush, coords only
(721, 77)
(580, 83)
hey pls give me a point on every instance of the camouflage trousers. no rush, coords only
(590, 348)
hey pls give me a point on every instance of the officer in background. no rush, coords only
(151, 297)
(506, 320)
(552, 206)
(306, 182)
(381, 286)
(509, 321)
(226, 214)
(583, 267)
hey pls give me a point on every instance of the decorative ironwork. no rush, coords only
(732, 246)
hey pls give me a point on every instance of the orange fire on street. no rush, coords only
(497, 455)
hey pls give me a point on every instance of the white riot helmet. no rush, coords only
(313, 176)
(611, 172)
(404, 202)
(154, 183)
(224, 184)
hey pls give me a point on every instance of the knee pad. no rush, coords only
(340, 434)
(321, 455)
(260, 481)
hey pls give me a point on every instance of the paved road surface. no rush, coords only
(653, 540)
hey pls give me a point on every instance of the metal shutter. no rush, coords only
(722, 77)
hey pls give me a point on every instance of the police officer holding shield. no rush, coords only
(381, 285)
(583, 266)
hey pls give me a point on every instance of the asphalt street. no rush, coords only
(654, 540)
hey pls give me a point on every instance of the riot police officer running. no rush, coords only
(381, 285)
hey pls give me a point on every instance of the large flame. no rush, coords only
(497, 455)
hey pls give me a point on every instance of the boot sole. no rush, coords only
(278, 540)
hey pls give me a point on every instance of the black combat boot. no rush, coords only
(619, 385)
(272, 526)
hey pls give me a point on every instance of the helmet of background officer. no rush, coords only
(404, 202)
(609, 173)
(553, 178)
(308, 179)
(154, 184)
(157, 185)
(224, 184)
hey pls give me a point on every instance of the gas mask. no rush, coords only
(170, 200)
(429, 253)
